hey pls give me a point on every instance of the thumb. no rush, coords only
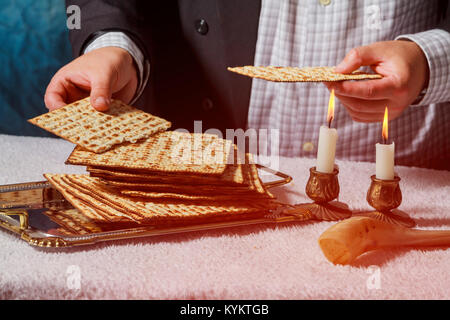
(357, 57)
(101, 92)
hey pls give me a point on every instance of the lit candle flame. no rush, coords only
(330, 115)
(385, 126)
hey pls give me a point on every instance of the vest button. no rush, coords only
(201, 26)
(207, 104)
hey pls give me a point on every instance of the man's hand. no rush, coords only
(103, 74)
(405, 74)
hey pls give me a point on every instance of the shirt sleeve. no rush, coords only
(121, 40)
(435, 44)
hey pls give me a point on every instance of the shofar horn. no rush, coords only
(343, 242)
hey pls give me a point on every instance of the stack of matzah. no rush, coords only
(141, 174)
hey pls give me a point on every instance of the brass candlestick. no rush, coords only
(385, 196)
(323, 188)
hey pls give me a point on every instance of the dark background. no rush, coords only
(34, 44)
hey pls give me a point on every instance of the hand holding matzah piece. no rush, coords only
(295, 74)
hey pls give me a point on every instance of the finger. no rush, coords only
(365, 89)
(53, 101)
(362, 119)
(374, 107)
(127, 93)
(365, 110)
(76, 92)
(101, 90)
(55, 94)
(357, 57)
(62, 91)
(363, 116)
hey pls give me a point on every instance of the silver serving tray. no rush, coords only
(26, 210)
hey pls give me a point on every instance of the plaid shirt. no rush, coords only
(320, 33)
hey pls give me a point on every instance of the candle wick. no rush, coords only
(384, 140)
(329, 122)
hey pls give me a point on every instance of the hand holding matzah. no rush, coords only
(102, 74)
(405, 74)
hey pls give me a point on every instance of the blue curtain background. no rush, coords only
(34, 44)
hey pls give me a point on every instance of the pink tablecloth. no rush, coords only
(257, 262)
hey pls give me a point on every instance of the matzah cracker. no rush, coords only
(99, 202)
(295, 74)
(151, 211)
(238, 179)
(199, 190)
(166, 187)
(234, 174)
(169, 151)
(98, 131)
(143, 176)
(171, 209)
(252, 187)
(237, 193)
(72, 221)
(183, 196)
(211, 191)
(89, 206)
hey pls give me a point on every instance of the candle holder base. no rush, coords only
(323, 188)
(395, 217)
(385, 196)
(332, 211)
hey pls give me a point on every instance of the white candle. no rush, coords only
(326, 149)
(385, 161)
(384, 167)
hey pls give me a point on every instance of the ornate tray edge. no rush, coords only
(40, 239)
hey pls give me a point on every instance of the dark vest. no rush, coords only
(189, 45)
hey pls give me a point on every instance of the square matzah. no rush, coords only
(98, 131)
(295, 74)
(169, 151)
